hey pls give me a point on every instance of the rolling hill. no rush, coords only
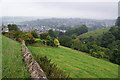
(77, 64)
(12, 60)
(95, 33)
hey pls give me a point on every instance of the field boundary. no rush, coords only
(33, 67)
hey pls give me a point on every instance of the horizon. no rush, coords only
(41, 17)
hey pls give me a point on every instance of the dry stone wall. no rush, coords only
(36, 72)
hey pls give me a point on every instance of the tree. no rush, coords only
(106, 39)
(117, 22)
(28, 37)
(56, 42)
(18, 35)
(35, 35)
(50, 43)
(115, 30)
(115, 52)
(74, 36)
(65, 40)
(52, 33)
(99, 52)
(12, 27)
(60, 33)
(80, 30)
(79, 45)
(43, 35)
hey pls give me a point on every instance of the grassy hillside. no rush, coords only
(95, 33)
(12, 63)
(0, 57)
(77, 64)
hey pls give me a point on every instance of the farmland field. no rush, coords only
(12, 63)
(77, 64)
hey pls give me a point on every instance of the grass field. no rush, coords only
(77, 64)
(12, 63)
(0, 57)
(95, 33)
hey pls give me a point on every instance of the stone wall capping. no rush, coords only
(36, 72)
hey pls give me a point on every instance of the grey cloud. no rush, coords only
(98, 10)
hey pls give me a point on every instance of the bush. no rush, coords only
(9, 34)
(56, 42)
(38, 40)
(4, 33)
(52, 33)
(65, 41)
(78, 45)
(115, 30)
(43, 36)
(35, 35)
(50, 43)
(80, 30)
(98, 54)
(18, 35)
(13, 27)
(51, 70)
(28, 38)
(106, 39)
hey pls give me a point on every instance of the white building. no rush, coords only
(5, 29)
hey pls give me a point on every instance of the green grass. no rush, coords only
(12, 63)
(77, 64)
(95, 33)
(0, 57)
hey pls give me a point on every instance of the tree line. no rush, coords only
(105, 46)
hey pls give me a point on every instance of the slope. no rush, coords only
(77, 64)
(95, 33)
(0, 57)
(12, 60)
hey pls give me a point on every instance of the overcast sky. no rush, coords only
(94, 9)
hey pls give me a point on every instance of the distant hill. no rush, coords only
(95, 33)
(77, 64)
(40, 21)
(73, 22)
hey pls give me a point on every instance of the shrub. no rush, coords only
(38, 40)
(18, 35)
(9, 34)
(35, 35)
(43, 35)
(51, 70)
(52, 33)
(50, 43)
(56, 42)
(13, 27)
(28, 38)
(65, 41)
(98, 54)
(106, 39)
(4, 33)
(78, 45)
